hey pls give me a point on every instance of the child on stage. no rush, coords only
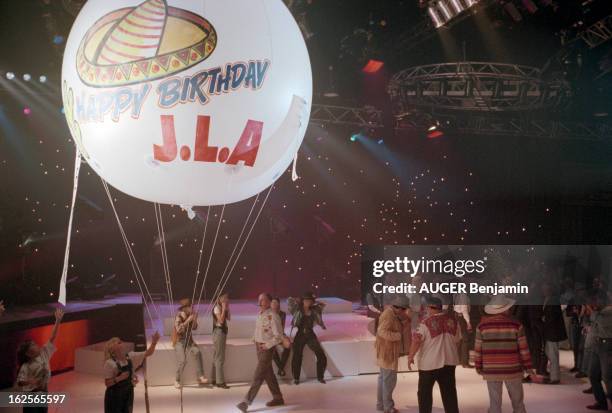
(119, 368)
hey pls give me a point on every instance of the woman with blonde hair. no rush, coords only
(119, 368)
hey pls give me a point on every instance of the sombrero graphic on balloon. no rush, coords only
(147, 42)
(185, 102)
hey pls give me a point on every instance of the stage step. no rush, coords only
(343, 359)
(90, 359)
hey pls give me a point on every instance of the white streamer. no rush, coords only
(62, 287)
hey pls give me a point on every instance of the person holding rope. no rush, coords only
(307, 313)
(268, 335)
(280, 360)
(221, 315)
(185, 322)
(34, 364)
(119, 377)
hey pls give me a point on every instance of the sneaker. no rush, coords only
(588, 391)
(597, 407)
(580, 375)
(275, 402)
(549, 381)
(202, 380)
(322, 381)
(243, 407)
(177, 385)
(394, 410)
(574, 370)
(296, 382)
(222, 386)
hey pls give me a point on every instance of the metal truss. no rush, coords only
(478, 124)
(367, 116)
(598, 33)
(476, 86)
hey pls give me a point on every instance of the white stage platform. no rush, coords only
(90, 359)
(347, 343)
(356, 394)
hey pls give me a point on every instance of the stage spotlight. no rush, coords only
(354, 138)
(27, 77)
(435, 17)
(443, 12)
(432, 128)
(42, 79)
(10, 75)
(27, 111)
(373, 66)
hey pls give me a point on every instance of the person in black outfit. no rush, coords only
(554, 331)
(307, 313)
(532, 317)
(119, 377)
(280, 360)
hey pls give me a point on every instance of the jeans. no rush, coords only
(552, 352)
(219, 339)
(445, 377)
(193, 352)
(387, 379)
(310, 340)
(264, 372)
(575, 335)
(515, 391)
(600, 371)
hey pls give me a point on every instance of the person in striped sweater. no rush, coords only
(502, 354)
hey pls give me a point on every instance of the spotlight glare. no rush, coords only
(435, 17)
(445, 10)
(432, 128)
(42, 79)
(381, 141)
(354, 138)
(27, 77)
(373, 66)
(27, 111)
(10, 75)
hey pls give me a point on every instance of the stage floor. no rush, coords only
(355, 394)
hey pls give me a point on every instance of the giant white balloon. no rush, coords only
(187, 102)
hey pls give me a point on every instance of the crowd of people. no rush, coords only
(505, 342)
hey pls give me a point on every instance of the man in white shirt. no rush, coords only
(268, 334)
(435, 340)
